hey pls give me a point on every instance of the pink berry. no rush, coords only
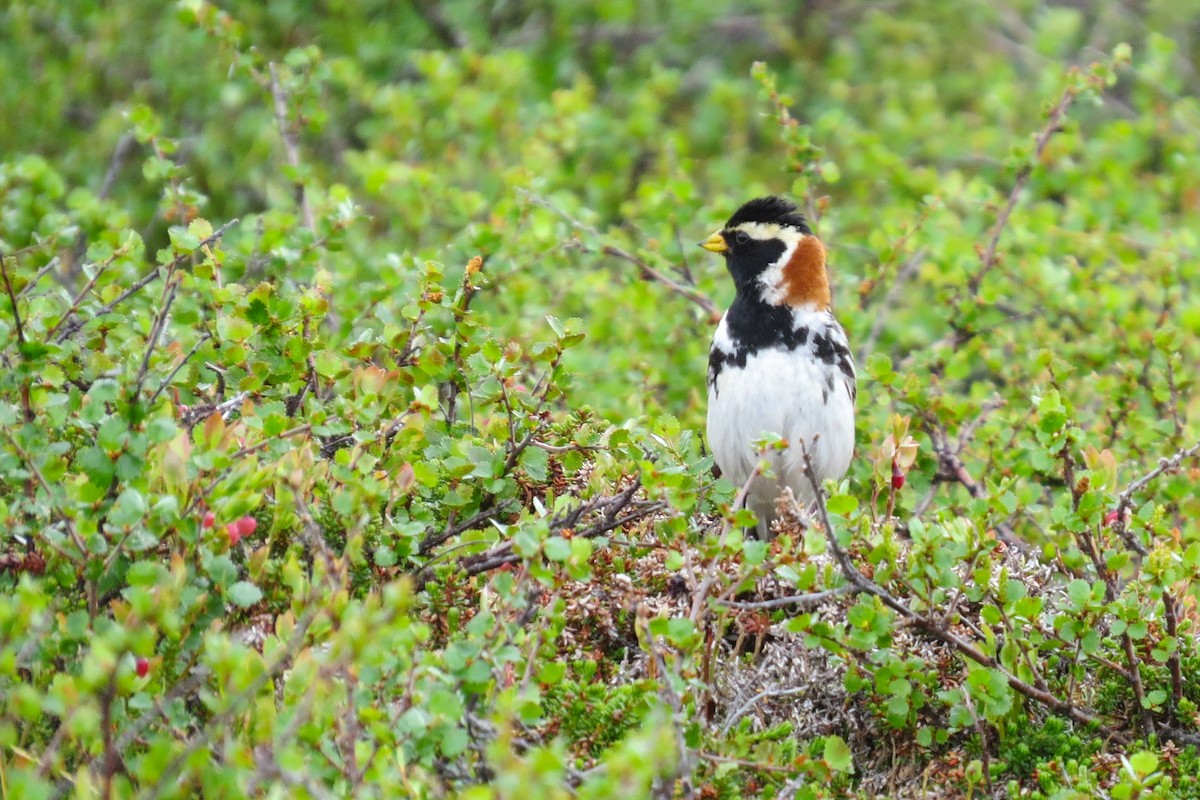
(235, 535)
(210, 519)
(246, 526)
(143, 667)
(1110, 518)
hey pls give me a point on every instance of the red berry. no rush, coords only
(897, 477)
(210, 519)
(143, 667)
(246, 526)
(235, 535)
(1110, 518)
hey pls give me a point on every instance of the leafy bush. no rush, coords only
(352, 445)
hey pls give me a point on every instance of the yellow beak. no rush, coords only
(716, 243)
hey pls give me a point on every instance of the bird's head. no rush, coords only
(773, 255)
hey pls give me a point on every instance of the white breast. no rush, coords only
(791, 394)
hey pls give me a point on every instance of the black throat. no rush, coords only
(754, 325)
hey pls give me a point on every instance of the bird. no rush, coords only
(779, 362)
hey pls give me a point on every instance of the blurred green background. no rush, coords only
(448, 125)
(368, 151)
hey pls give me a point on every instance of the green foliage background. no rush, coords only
(302, 189)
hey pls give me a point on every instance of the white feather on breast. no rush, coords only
(791, 394)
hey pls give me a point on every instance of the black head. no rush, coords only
(770, 210)
(755, 238)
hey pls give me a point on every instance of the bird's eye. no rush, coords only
(741, 237)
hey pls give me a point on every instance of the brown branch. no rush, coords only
(808, 599)
(700, 594)
(951, 469)
(1052, 126)
(433, 540)
(170, 287)
(175, 371)
(936, 628)
(12, 298)
(1125, 499)
(81, 295)
(69, 329)
(609, 509)
(648, 272)
(26, 400)
(1171, 618)
(467, 293)
(432, 16)
(290, 147)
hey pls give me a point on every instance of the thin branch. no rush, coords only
(936, 628)
(449, 35)
(26, 380)
(80, 296)
(12, 298)
(952, 469)
(432, 540)
(50, 266)
(170, 287)
(254, 448)
(1052, 126)
(732, 718)
(171, 375)
(69, 329)
(1125, 499)
(808, 599)
(647, 271)
(710, 575)
(290, 147)
(696, 296)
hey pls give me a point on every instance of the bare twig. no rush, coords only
(733, 716)
(441, 27)
(26, 380)
(12, 298)
(170, 287)
(700, 594)
(1174, 665)
(936, 628)
(952, 469)
(80, 296)
(1125, 499)
(432, 539)
(290, 147)
(50, 266)
(69, 329)
(461, 309)
(810, 598)
(615, 511)
(175, 371)
(981, 729)
(647, 271)
(1052, 126)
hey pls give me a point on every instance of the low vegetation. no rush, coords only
(352, 402)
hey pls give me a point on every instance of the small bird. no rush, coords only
(779, 362)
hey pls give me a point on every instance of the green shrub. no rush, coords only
(352, 398)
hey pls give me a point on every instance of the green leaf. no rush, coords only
(837, 755)
(1143, 763)
(841, 504)
(557, 548)
(536, 463)
(244, 594)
